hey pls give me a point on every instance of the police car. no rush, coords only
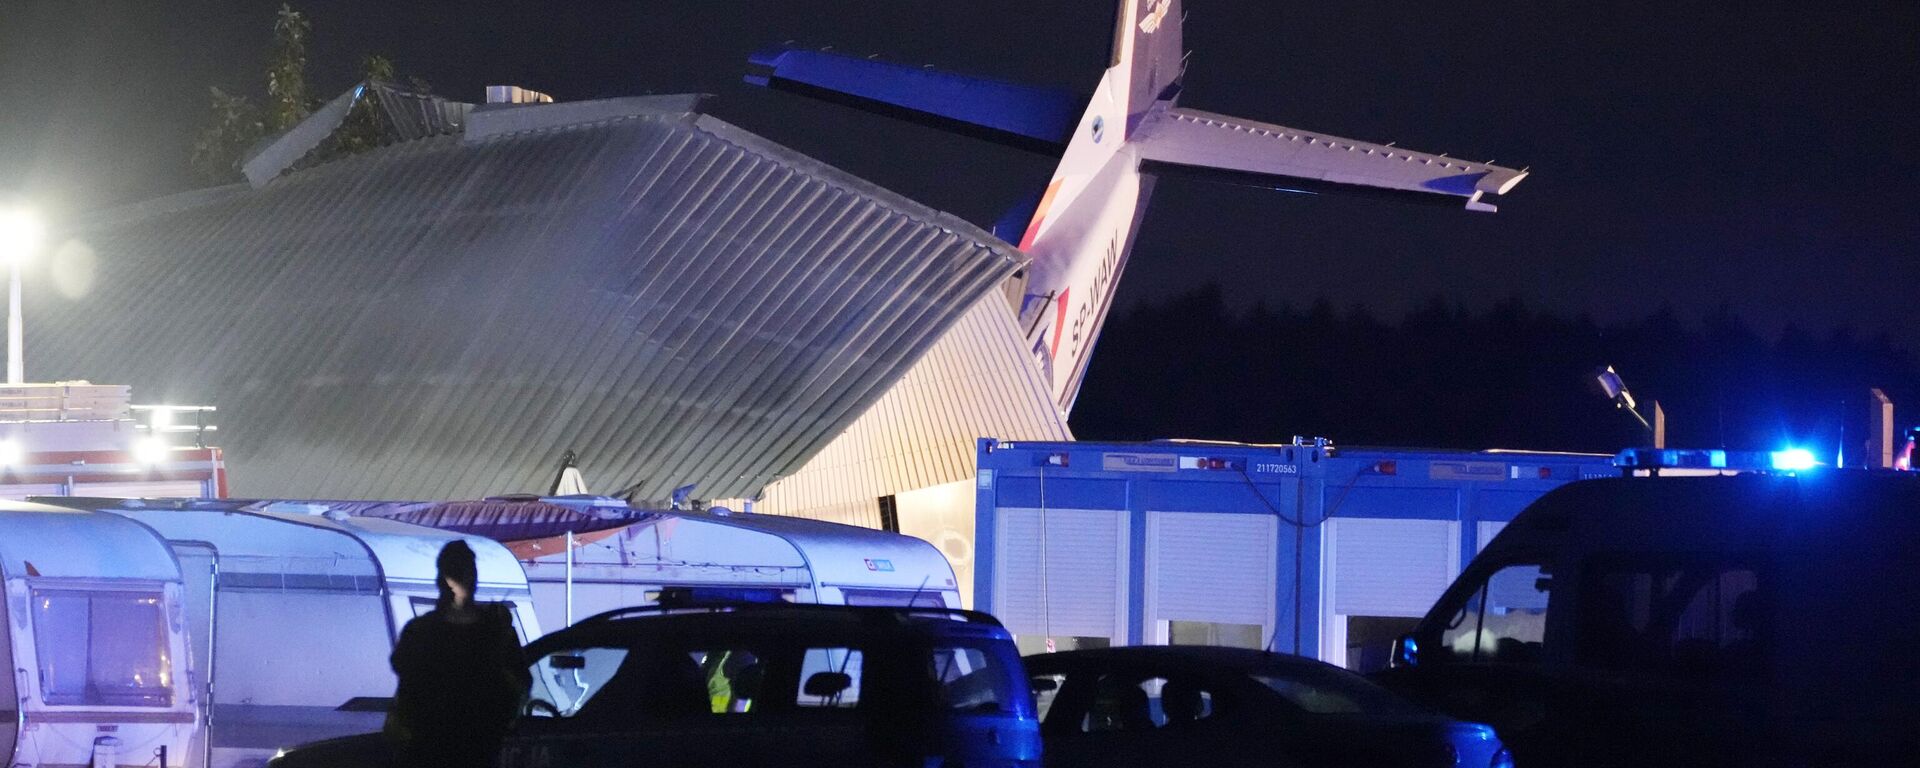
(744, 684)
(1762, 611)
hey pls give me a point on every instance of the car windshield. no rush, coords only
(1328, 691)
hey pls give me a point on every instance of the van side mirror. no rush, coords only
(567, 661)
(1043, 684)
(1406, 652)
(827, 684)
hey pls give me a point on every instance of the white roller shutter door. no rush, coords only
(1384, 567)
(1083, 569)
(1211, 567)
(1487, 531)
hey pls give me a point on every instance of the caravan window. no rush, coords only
(102, 648)
(894, 598)
(424, 605)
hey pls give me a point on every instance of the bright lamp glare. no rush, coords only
(1793, 459)
(11, 454)
(20, 234)
(150, 450)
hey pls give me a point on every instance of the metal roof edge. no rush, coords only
(135, 212)
(751, 141)
(492, 120)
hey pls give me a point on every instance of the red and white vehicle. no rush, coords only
(81, 439)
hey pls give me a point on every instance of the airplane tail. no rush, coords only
(1148, 43)
(1129, 131)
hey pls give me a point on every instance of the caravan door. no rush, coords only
(199, 570)
(10, 705)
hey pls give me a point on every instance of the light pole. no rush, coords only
(20, 235)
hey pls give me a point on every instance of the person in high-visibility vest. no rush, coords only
(732, 680)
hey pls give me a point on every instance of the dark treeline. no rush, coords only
(1509, 377)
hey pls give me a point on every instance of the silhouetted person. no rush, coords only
(1120, 705)
(1182, 703)
(462, 678)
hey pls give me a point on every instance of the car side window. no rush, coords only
(972, 679)
(1505, 620)
(830, 678)
(1120, 703)
(1133, 703)
(566, 680)
(1179, 701)
(1046, 688)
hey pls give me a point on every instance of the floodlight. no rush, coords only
(20, 234)
(11, 454)
(150, 450)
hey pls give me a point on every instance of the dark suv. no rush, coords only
(774, 684)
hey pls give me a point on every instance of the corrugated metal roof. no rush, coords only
(976, 381)
(676, 299)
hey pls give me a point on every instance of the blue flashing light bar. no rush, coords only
(1790, 460)
(1793, 459)
(698, 596)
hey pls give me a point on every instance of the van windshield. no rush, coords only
(102, 648)
(1504, 620)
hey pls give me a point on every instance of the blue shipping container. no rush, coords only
(1310, 549)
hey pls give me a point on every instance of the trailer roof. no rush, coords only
(300, 544)
(37, 540)
(834, 553)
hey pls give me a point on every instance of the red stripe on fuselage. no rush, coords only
(1039, 215)
(1059, 324)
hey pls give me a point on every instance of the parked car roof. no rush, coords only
(785, 619)
(1238, 659)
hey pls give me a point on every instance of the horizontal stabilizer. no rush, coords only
(1024, 116)
(1238, 150)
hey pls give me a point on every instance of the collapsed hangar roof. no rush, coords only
(679, 301)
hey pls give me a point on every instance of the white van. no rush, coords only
(1754, 619)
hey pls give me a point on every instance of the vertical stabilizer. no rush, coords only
(1150, 45)
(1081, 233)
(1129, 133)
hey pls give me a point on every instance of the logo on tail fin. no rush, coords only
(1151, 23)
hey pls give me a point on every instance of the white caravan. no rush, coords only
(75, 692)
(621, 556)
(279, 616)
(291, 611)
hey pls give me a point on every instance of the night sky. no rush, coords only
(1759, 154)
